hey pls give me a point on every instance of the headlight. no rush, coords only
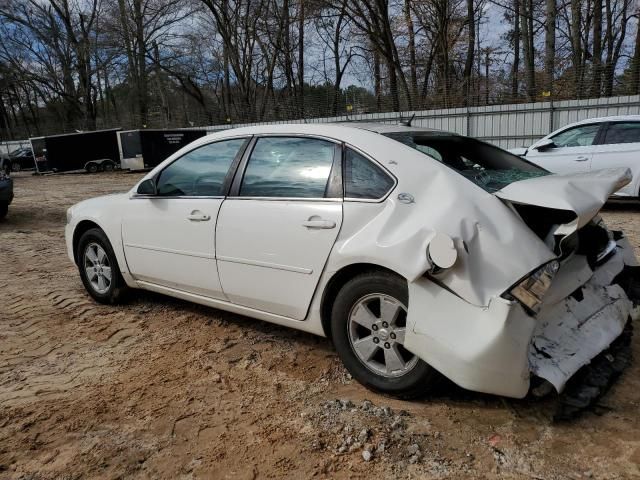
(531, 290)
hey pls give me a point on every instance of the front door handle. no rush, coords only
(315, 222)
(582, 159)
(198, 216)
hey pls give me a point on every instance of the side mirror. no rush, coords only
(148, 187)
(545, 145)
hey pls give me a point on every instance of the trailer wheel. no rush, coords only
(108, 167)
(92, 167)
(15, 167)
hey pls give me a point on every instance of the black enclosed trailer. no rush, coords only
(91, 151)
(142, 149)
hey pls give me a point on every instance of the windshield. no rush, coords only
(489, 167)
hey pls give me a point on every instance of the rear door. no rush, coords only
(277, 227)
(619, 147)
(573, 150)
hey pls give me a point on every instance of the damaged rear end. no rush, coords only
(584, 299)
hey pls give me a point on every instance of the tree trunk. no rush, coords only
(596, 84)
(529, 48)
(377, 79)
(468, 64)
(143, 105)
(393, 86)
(550, 46)
(516, 49)
(576, 46)
(413, 68)
(301, 19)
(635, 63)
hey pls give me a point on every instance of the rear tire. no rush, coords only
(4, 209)
(99, 269)
(368, 322)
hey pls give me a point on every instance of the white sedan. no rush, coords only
(415, 251)
(593, 144)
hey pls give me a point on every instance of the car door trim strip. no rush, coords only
(171, 250)
(257, 263)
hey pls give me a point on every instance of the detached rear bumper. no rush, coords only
(495, 349)
(571, 332)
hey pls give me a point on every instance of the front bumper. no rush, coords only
(68, 238)
(496, 349)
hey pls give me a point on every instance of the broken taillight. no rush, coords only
(532, 289)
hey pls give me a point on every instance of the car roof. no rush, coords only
(379, 127)
(336, 129)
(614, 118)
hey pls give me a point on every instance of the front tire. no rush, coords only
(99, 268)
(368, 323)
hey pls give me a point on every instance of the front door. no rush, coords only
(572, 152)
(275, 234)
(169, 238)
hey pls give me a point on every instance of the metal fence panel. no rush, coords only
(507, 126)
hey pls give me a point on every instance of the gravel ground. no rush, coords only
(164, 389)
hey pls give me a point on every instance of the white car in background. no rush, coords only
(416, 251)
(593, 144)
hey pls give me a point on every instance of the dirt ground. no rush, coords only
(164, 389)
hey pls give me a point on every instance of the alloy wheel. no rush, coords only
(97, 268)
(377, 325)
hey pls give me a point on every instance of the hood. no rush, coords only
(584, 194)
(99, 201)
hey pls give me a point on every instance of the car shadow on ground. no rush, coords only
(446, 392)
(622, 206)
(209, 315)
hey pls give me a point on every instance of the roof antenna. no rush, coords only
(407, 123)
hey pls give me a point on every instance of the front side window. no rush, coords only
(581, 136)
(288, 167)
(364, 179)
(200, 172)
(627, 132)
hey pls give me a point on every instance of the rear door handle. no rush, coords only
(319, 223)
(582, 159)
(198, 216)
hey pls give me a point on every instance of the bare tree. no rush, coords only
(550, 45)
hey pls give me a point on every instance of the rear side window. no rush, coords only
(489, 167)
(288, 167)
(628, 132)
(200, 172)
(364, 179)
(580, 136)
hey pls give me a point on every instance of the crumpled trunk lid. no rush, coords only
(584, 194)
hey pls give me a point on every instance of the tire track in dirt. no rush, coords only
(55, 338)
(160, 388)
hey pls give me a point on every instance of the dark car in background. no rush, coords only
(6, 193)
(20, 159)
